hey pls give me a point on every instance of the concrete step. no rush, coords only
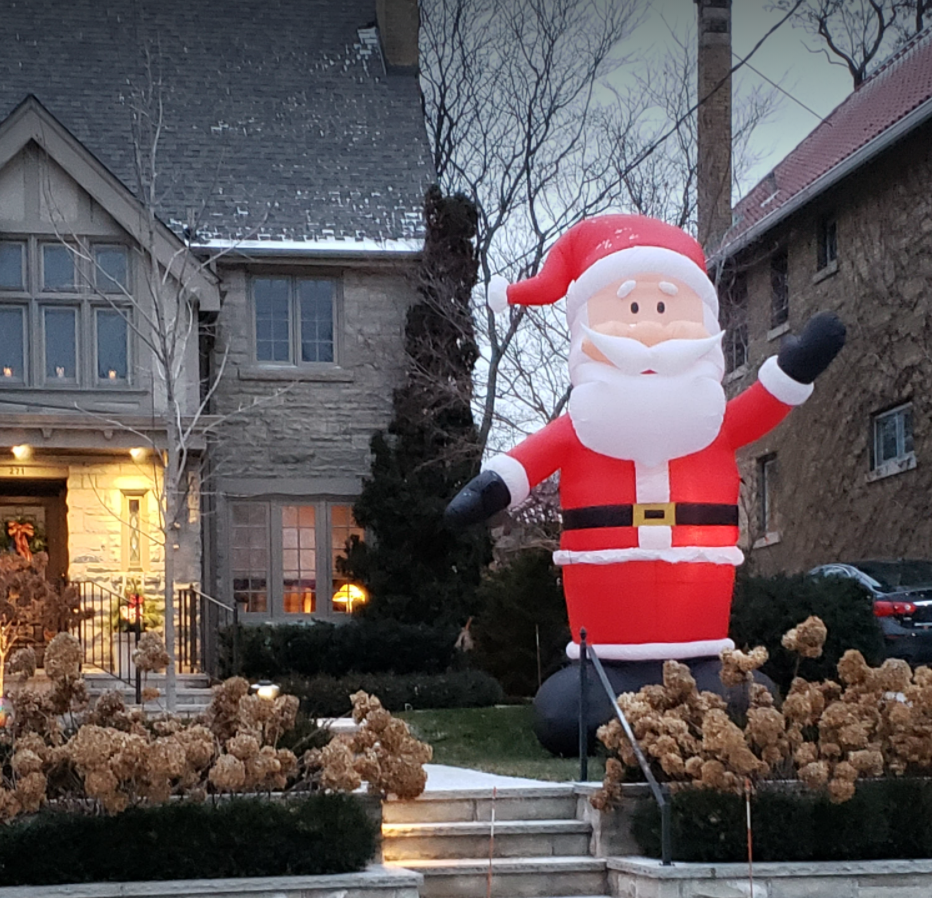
(511, 877)
(557, 802)
(521, 838)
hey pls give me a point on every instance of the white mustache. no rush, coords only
(668, 357)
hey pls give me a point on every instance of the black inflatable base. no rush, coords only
(556, 705)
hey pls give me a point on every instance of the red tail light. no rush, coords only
(893, 609)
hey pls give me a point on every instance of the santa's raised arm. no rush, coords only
(646, 452)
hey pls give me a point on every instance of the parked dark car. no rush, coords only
(902, 592)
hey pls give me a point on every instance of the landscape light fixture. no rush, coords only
(267, 690)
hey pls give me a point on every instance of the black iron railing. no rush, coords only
(661, 792)
(201, 618)
(108, 634)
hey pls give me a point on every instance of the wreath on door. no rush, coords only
(23, 537)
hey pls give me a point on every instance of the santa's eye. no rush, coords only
(661, 307)
(634, 308)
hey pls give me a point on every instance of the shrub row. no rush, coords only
(324, 696)
(709, 826)
(318, 834)
(764, 608)
(359, 646)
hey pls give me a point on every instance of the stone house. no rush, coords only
(290, 158)
(843, 223)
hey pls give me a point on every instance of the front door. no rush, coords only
(43, 504)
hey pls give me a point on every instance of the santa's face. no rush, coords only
(646, 372)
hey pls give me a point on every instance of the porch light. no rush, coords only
(350, 595)
(137, 452)
(267, 690)
(22, 452)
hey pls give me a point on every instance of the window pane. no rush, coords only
(886, 438)
(111, 345)
(60, 344)
(316, 299)
(299, 567)
(250, 555)
(57, 268)
(112, 265)
(11, 345)
(11, 266)
(342, 527)
(907, 418)
(779, 289)
(273, 343)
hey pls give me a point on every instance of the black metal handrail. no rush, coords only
(200, 619)
(661, 792)
(96, 632)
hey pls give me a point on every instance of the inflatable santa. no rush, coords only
(646, 451)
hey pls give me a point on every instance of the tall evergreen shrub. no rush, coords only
(416, 568)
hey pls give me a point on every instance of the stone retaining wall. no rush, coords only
(636, 877)
(373, 882)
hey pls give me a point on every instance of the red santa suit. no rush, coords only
(649, 544)
(648, 553)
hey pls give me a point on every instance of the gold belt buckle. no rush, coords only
(654, 514)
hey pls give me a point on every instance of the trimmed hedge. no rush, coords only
(358, 646)
(240, 837)
(764, 608)
(794, 825)
(324, 696)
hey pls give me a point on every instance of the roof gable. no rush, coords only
(887, 105)
(73, 172)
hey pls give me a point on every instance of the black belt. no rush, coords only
(651, 514)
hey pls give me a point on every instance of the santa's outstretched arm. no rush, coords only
(506, 479)
(785, 380)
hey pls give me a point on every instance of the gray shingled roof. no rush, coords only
(282, 103)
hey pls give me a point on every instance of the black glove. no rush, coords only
(805, 357)
(484, 495)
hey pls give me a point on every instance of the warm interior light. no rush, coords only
(111, 374)
(7, 371)
(137, 452)
(349, 595)
(22, 452)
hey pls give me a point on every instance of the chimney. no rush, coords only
(713, 180)
(399, 21)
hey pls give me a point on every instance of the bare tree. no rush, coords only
(161, 309)
(510, 96)
(858, 32)
(522, 120)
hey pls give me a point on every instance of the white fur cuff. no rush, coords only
(675, 555)
(497, 293)
(656, 651)
(780, 385)
(514, 475)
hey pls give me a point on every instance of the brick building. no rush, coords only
(843, 223)
(292, 161)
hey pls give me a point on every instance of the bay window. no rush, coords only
(65, 314)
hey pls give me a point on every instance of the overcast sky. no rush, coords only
(783, 58)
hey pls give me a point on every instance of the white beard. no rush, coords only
(647, 418)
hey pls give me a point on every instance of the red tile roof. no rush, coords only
(900, 86)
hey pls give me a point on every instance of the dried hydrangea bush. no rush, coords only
(109, 757)
(872, 722)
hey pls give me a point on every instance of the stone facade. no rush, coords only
(301, 434)
(828, 499)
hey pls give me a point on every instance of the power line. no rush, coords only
(782, 90)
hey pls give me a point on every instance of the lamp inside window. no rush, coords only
(348, 597)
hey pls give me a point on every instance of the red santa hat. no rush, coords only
(606, 249)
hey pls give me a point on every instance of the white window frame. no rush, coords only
(905, 459)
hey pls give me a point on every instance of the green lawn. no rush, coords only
(497, 740)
